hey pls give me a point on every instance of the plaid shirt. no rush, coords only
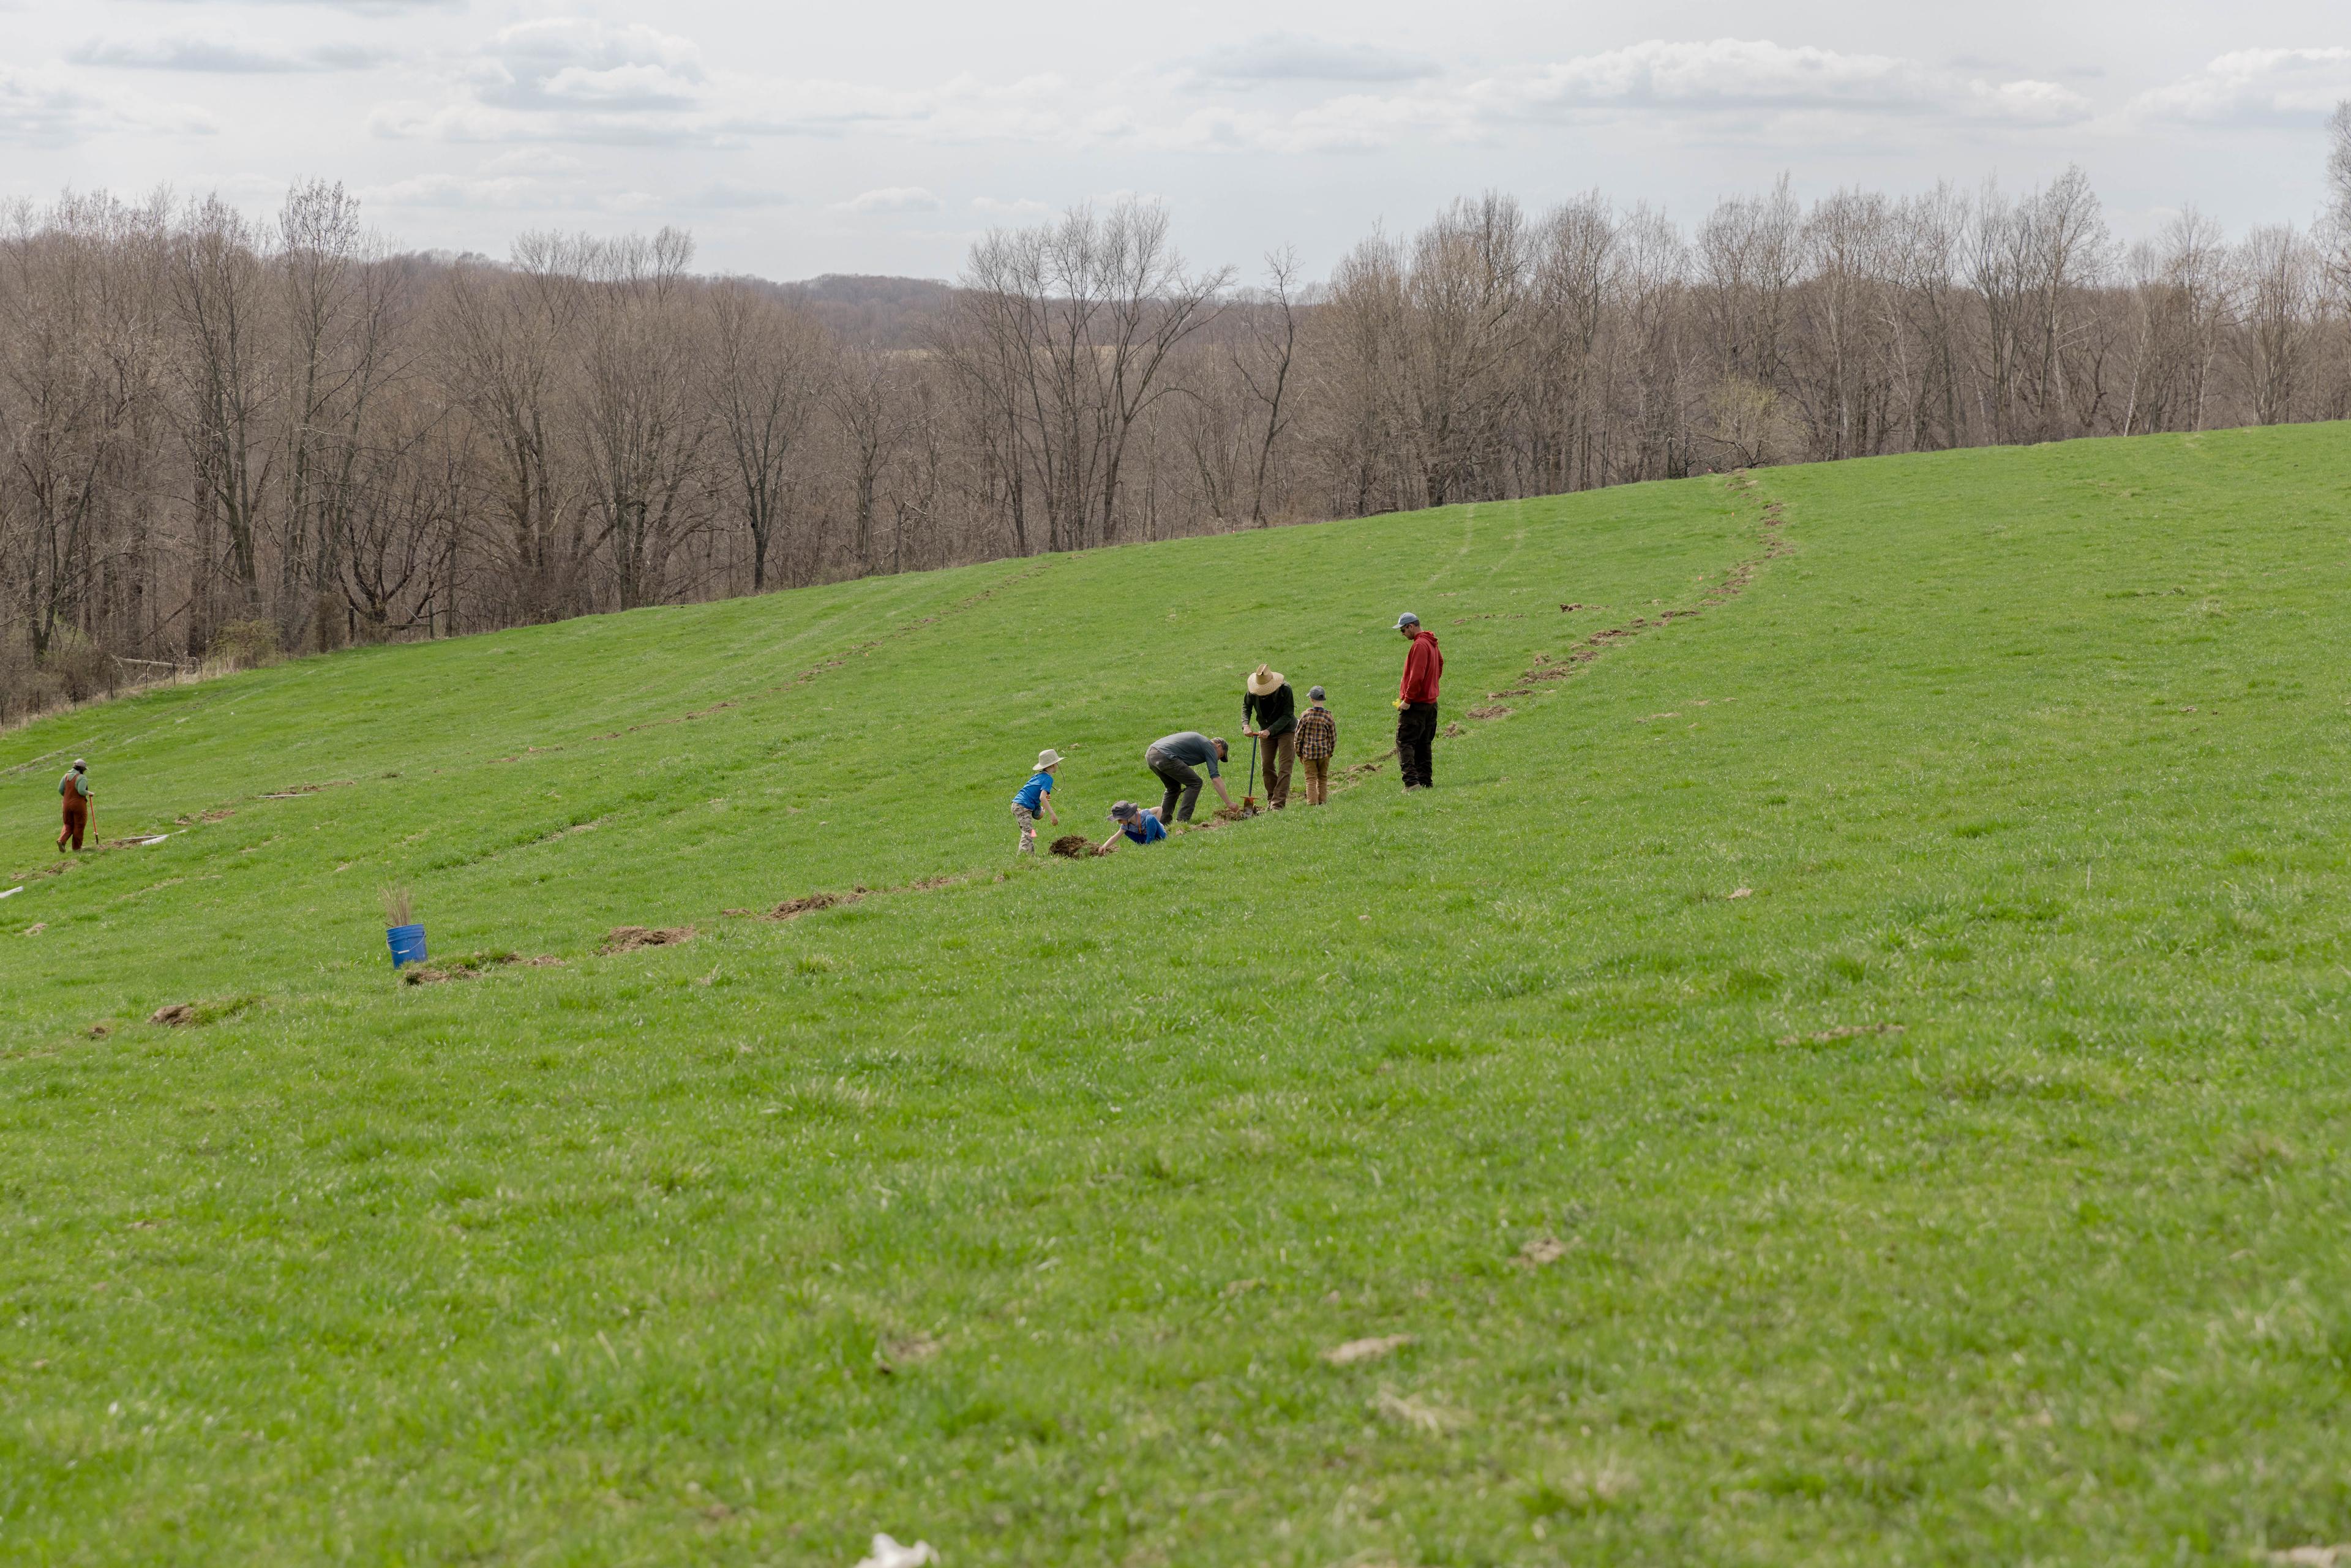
(1318, 735)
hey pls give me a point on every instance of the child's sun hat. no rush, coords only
(1049, 758)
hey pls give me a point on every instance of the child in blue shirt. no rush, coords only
(1135, 824)
(1035, 796)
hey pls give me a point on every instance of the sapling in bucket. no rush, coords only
(402, 930)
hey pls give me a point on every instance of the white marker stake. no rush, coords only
(11, 892)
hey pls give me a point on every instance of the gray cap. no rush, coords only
(79, 765)
(1314, 693)
(1407, 619)
(1123, 811)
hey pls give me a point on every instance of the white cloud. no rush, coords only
(894, 199)
(1293, 57)
(44, 107)
(1022, 210)
(504, 193)
(222, 55)
(2027, 103)
(1740, 77)
(2255, 87)
(573, 62)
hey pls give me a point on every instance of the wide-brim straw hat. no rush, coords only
(1267, 681)
(1049, 758)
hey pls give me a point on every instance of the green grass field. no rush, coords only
(1853, 1076)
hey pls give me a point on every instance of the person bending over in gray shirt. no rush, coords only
(1174, 758)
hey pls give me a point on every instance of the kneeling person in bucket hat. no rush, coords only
(1135, 824)
(1270, 712)
(1036, 796)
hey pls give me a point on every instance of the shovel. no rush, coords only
(1248, 796)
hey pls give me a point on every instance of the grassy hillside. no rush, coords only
(1853, 1075)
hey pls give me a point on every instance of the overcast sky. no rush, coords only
(881, 136)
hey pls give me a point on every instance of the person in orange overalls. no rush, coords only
(75, 788)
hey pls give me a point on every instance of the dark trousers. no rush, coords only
(1416, 744)
(77, 821)
(1182, 781)
(1279, 753)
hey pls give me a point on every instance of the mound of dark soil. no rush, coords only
(806, 903)
(1077, 846)
(462, 968)
(628, 938)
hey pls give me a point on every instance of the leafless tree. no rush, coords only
(2276, 285)
(767, 376)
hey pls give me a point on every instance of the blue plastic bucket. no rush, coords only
(407, 945)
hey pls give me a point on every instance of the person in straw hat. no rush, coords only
(1036, 796)
(1270, 712)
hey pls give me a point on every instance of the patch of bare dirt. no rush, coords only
(308, 790)
(1234, 814)
(1542, 1251)
(1411, 1411)
(1453, 732)
(1849, 1031)
(628, 938)
(178, 1015)
(913, 1351)
(544, 961)
(1491, 710)
(1074, 846)
(99, 1030)
(1362, 1350)
(808, 903)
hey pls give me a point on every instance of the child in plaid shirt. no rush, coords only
(1318, 737)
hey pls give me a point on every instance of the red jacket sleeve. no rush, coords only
(1421, 666)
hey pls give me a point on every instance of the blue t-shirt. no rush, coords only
(1032, 794)
(1143, 830)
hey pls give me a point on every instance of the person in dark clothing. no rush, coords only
(1270, 712)
(75, 788)
(1174, 758)
(1416, 703)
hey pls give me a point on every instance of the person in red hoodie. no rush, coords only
(1417, 702)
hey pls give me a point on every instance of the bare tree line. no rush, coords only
(223, 439)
